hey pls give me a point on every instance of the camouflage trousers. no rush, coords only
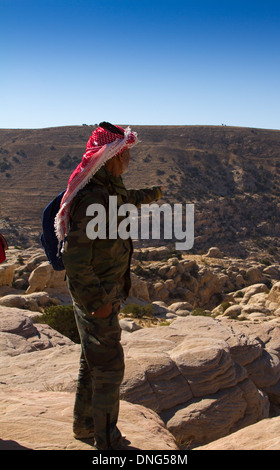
(100, 375)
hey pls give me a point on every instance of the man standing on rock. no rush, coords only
(98, 278)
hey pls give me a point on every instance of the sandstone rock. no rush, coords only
(233, 311)
(274, 294)
(258, 359)
(252, 290)
(254, 275)
(182, 313)
(239, 281)
(52, 369)
(190, 424)
(180, 306)
(264, 435)
(128, 324)
(203, 377)
(35, 302)
(173, 260)
(35, 260)
(45, 276)
(134, 300)
(170, 285)
(7, 274)
(151, 253)
(253, 308)
(187, 370)
(160, 307)
(45, 419)
(18, 334)
(171, 272)
(214, 252)
(189, 265)
(17, 301)
(139, 288)
(209, 284)
(7, 290)
(160, 291)
(272, 271)
(258, 299)
(162, 270)
(252, 302)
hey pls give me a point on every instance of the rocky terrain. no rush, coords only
(200, 329)
(230, 174)
(202, 366)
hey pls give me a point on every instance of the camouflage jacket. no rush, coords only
(98, 271)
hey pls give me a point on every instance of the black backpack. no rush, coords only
(48, 237)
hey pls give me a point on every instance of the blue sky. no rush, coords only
(68, 62)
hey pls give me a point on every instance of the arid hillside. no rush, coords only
(231, 174)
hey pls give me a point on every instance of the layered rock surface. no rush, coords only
(264, 435)
(43, 421)
(38, 372)
(196, 380)
(205, 378)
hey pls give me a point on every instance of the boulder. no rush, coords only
(35, 302)
(233, 311)
(214, 252)
(274, 294)
(160, 307)
(209, 284)
(151, 253)
(255, 303)
(44, 276)
(7, 271)
(127, 324)
(264, 435)
(272, 271)
(180, 306)
(253, 289)
(35, 260)
(254, 275)
(139, 288)
(19, 335)
(159, 291)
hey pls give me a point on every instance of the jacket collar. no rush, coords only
(104, 177)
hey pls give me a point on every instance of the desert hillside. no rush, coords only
(231, 174)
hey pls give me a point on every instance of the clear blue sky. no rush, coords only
(146, 62)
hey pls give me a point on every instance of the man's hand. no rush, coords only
(103, 312)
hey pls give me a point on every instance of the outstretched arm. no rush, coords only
(144, 196)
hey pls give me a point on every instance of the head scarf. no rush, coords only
(105, 142)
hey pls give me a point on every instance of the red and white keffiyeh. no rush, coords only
(101, 146)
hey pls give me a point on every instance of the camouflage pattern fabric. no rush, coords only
(95, 267)
(100, 376)
(98, 272)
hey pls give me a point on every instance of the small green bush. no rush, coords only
(139, 271)
(266, 262)
(138, 310)
(200, 312)
(240, 294)
(61, 318)
(225, 305)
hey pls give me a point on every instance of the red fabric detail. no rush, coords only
(99, 138)
(3, 247)
(97, 150)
